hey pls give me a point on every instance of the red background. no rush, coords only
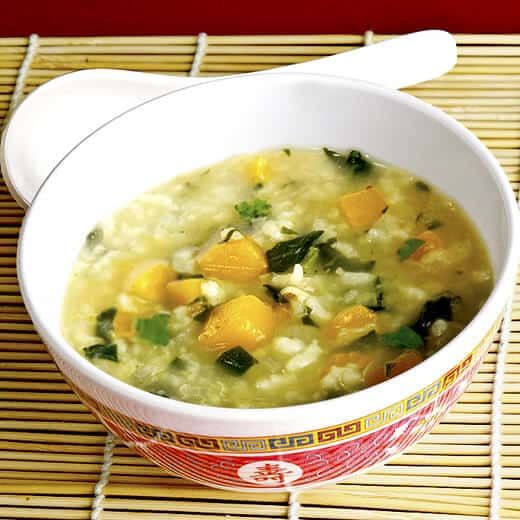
(169, 17)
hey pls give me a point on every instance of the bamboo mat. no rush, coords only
(51, 447)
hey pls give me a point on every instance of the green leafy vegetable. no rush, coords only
(237, 360)
(287, 151)
(380, 296)
(405, 337)
(422, 186)
(105, 324)
(433, 224)
(154, 329)
(355, 161)
(306, 318)
(409, 248)
(331, 259)
(200, 309)
(178, 364)
(288, 231)
(275, 294)
(249, 210)
(94, 237)
(102, 352)
(439, 309)
(285, 254)
(358, 162)
(311, 261)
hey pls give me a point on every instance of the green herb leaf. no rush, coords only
(178, 364)
(285, 254)
(331, 259)
(94, 237)
(253, 209)
(105, 324)
(154, 329)
(405, 337)
(275, 294)
(433, 224)
(237, 360)
(409, 248)
(102, 352)
(422, 186)
(287, 151)
(380, 296)
(307, 320)
(258, 186)
(288, 231)
(311, 261)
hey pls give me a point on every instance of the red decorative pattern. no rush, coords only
(312, 466)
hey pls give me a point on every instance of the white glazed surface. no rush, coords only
(200, 125)
(71, 106)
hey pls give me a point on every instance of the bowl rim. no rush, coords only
(492, 307)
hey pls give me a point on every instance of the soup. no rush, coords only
(274, 279)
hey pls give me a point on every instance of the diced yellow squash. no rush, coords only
(258, 170)
(124, 324)
(378, 371)
(244, 321)
(236, 260)
(183, 292)
(408, 359)
(349, 325)
(374, 373)
(148, 280)
(431, 241)
(363, 208)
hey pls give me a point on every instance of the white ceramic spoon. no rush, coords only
(57, 115)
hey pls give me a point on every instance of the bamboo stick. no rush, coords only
(89, 438)
(47, 512)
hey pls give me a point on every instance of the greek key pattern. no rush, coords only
(303, 440)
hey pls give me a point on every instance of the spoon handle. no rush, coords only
(396, 63)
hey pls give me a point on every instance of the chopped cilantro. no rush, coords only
(405, 337)
(249, 210)
(409, 248)
(287, 151)
(154, 329)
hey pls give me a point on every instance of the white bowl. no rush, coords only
(297, 446)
